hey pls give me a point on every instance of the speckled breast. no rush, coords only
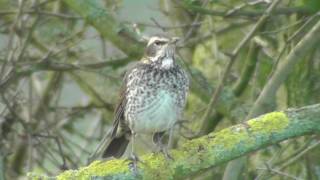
(155, 98)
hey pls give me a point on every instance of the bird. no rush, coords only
(152, 98)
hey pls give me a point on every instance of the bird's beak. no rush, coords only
(174, 40)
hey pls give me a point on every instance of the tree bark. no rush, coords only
(210, 150)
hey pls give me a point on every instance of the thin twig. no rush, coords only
(235, 53)
(251, 13)
(295, 158)
(168, 27)
(43, 13)
(290, 39)
(56, 140)
(275, 171)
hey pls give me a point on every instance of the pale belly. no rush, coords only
(160, 115)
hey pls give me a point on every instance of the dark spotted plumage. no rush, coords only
(153, 96)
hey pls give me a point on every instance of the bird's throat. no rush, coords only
(167, 63)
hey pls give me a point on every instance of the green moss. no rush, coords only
(213, 148)
(156, 166)
(97, 168)
(225, 139)
(269, 123)
(153, 166)
(230, 137)
(35, 176)
(204, 151)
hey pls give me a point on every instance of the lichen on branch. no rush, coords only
(210, 150)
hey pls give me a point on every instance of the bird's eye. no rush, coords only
(158, 43)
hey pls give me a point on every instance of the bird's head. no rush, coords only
(160, 51)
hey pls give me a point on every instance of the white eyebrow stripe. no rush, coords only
(155, 38)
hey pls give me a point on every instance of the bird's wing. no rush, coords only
(119, 111)
(119, 114)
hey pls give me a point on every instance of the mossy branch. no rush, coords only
(210, 150)
(281, 73)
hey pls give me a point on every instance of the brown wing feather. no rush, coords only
(119, 112)
(119, 139)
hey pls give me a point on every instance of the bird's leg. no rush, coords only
(133, 157)
(157, 139)
(169, 145)
(170, 141)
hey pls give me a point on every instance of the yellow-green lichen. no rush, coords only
(156, 166)
(230, 137)
(203, 151)
(226, 138)
(193, 146)
(97, 168)
(35, 176)
(269, 123)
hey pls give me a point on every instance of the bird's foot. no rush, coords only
(133, 165)
(166, 154)
(164, 150)
(161, 147)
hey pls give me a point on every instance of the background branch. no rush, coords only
(268, 93)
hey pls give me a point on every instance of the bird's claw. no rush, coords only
(166, 154)
(133, 165)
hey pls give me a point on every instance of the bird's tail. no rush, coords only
(116, 147)
(110, 146)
